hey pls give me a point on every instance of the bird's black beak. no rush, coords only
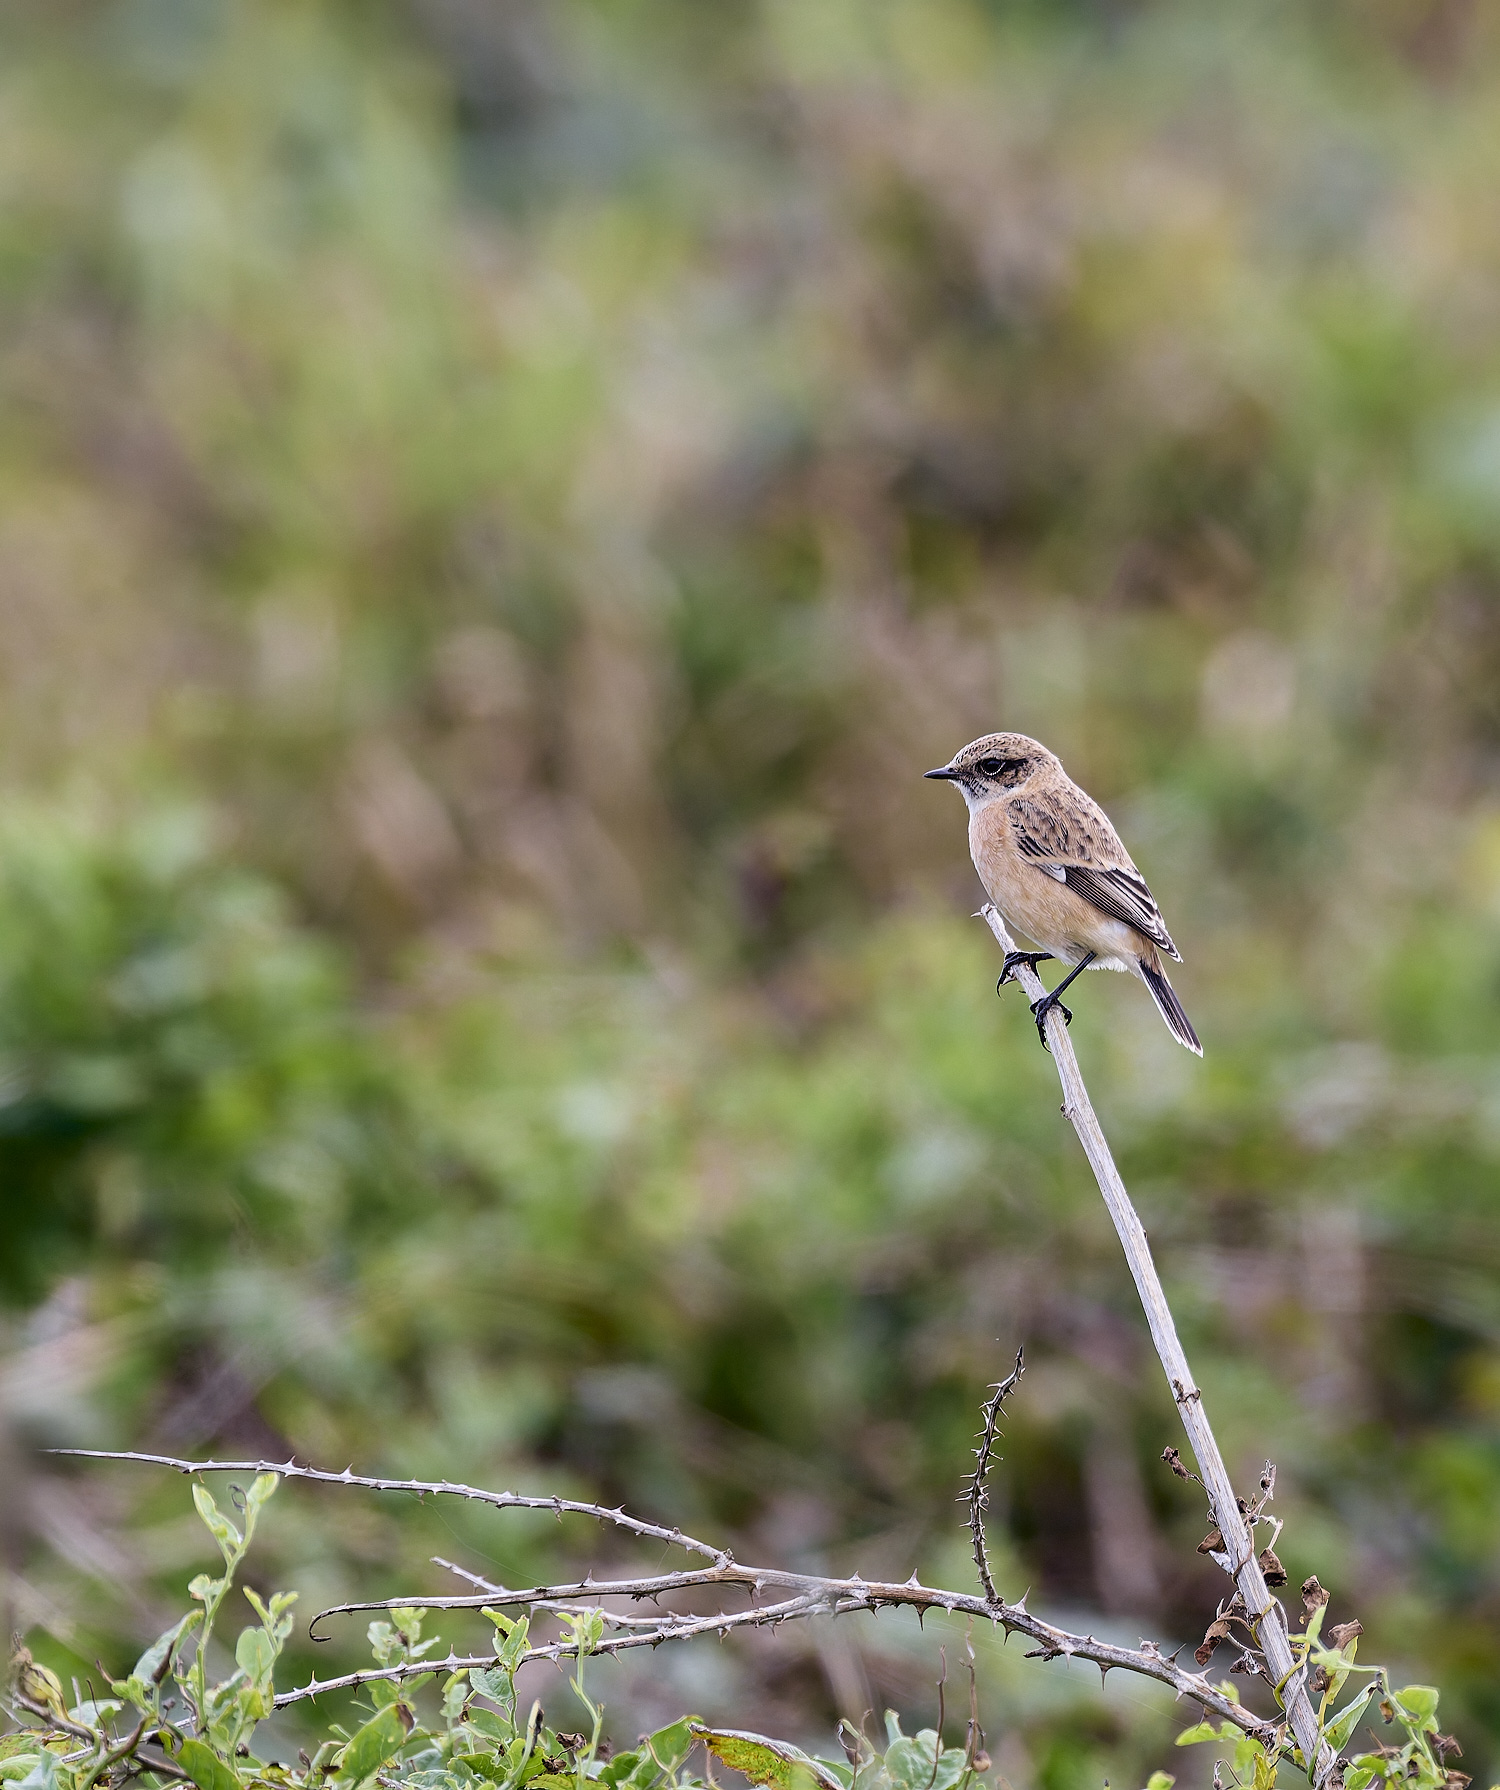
(946, 772)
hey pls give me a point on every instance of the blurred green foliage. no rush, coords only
(499, 502)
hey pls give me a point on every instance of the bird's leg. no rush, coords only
(1040, 1009)
(1012, 958)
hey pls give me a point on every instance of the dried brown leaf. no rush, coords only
(1313, 1595)
(1216, 1631)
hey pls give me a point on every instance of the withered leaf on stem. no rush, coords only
(1313, 1595)
(1212, 1543)
(1458, 1780)
(1174, 1461)
(1342, 1633)
(1446, 1746)
(1216, 1631)
(1319, 1682)
(1271, 1568)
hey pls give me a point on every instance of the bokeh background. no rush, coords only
(500, 500)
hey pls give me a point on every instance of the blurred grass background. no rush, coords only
(499, 503)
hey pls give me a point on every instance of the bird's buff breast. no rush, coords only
(1035, 903)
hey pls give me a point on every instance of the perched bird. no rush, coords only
(1056, 869)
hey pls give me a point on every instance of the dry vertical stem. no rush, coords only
(1266, 1618)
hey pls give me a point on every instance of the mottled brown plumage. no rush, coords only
(1056, 869)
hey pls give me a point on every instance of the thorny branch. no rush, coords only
(422, 1488)
(976, 1494)
(809, 1595)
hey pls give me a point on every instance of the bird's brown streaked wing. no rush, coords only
(1123, 895)
(1045, 831)
(1078, 847)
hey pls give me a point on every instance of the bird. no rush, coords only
(1056, 869)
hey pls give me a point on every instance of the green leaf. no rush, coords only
(1342, 1726)
(1206, 1731)
(914, 1763)
(231, 1543)
(763, 1761)
(91, 1712)
(1417, 1706)
(257, 1498)
(511, 1638)
(621, 1767)
(1247, 1754)
(153, 1661)
(206, 1589)
(1160, 1780)
(372, 1745)
(277, 1620)
(43, 1774)
(16, 1767)
(455, 1695)
(497, 1686)
(204, 1766)
(255, 1654)
(491, 1726)
(671, 1745)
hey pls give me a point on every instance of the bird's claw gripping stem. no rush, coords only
(1040, 1009)
(1013, 958)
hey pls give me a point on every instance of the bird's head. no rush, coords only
(994, 765)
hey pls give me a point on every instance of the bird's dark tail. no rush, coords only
(1165, 996)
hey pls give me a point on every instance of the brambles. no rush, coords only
(455, 1723)
(435, 1727)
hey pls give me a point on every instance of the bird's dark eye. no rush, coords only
(990, 766)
